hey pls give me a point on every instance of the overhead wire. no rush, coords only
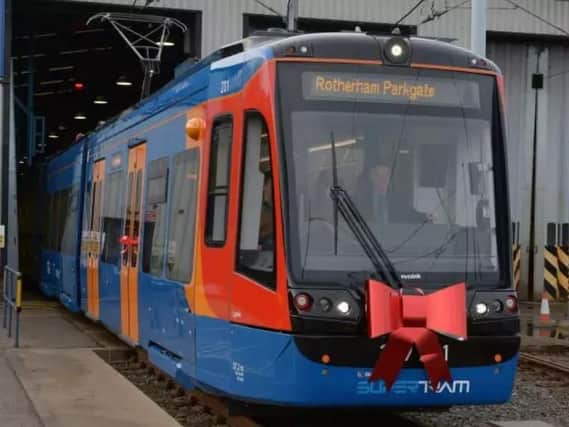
(409, 12)
(266, 6)
(435, 15)
(538, 17)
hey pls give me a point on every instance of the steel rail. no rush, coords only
(540, 361)
(215, 404)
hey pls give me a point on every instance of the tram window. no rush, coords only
(256, 257)
(154, 217)
(112, 217)
(136, 228)
(218, 185)
(182, 221)
(69, 226)
(61, 210)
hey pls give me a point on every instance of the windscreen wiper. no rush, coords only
(365, 237)
(344, 204)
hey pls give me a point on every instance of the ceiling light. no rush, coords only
(123, 81)
(166, 44)
(100, 100)
(73, 52)
(80, 116)
(53, 135)
(65, 68)
(51, 82)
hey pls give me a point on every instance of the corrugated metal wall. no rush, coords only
(222, 20)
(518, 62)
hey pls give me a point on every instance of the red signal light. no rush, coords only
(303, 301)
(78, 86)
(512, 304)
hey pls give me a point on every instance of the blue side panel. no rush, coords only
(109, 296)
(69, 287)
(50, 273)
(267, 367)
(213, 353)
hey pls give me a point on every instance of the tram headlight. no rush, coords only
(344, 307)
(481, 308)
(397, 50)
(326, 304)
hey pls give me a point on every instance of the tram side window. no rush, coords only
(154, 217)
(60, 210)
(218, 182)
(182, 221)
(112, 217)
(256, 257)
(69, 217)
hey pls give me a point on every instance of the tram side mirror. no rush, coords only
(475, 178)
(433, 165)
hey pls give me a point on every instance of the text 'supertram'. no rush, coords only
(304, 220)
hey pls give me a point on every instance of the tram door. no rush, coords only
(95, 239)
(130, 241)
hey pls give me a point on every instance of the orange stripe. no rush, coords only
(453, 68)
(331, 60)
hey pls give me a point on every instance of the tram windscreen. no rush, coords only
(414, 150)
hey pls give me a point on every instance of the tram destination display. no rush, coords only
(451, 92)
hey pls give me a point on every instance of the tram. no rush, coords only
(302, 220)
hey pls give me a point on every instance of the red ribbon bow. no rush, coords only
(413, 320)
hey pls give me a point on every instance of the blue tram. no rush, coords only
(255, 223)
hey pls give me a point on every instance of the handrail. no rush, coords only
(12, 297)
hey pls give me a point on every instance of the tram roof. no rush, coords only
(192, 82)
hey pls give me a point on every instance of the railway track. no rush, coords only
(545, 362)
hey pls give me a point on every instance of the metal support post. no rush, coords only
(4, 305)
(292, 16)
(30, 107)
(10, 302)
(478, 27)
(12, 296)
(18, 308)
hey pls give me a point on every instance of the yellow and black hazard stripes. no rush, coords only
(550, 266)
(516, 255)
(563, 261)
(517, 265)
(563, 272)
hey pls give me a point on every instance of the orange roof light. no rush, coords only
(194, 128)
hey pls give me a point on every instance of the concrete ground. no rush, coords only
(55, 379)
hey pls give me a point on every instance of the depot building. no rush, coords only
(70, 77)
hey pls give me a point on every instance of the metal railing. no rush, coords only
(12, 297)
